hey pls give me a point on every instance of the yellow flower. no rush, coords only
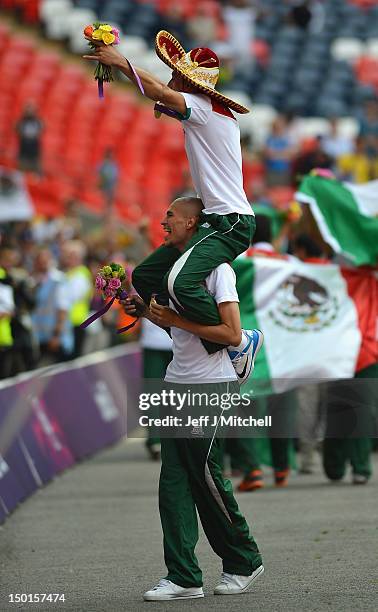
(105, 28)
(108, 38)
(97, 34)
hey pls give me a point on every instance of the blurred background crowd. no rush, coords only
(85, 181)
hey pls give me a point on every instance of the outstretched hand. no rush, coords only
(106, 54)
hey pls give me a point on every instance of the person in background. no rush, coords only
(79, 287)
(311, 396)
(51, 323)
(311, 156)
(108, 173)
(334, 144)
(6, 313)
(157, 354)
(239, 17)
(24, 349)
(29, 130)
(278, 154)
(245, 452)
(351, 426)
(202, 26)
(359, 166)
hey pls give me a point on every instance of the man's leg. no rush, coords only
(147, 277)
(335, 457)
(223, 523)
(155, 363)
(211, 246)
(178, 517)
(359, 452)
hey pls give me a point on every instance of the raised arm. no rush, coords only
(154, 89)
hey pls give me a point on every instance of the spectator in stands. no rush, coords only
(202, 26)
(6, 313)
(369, 119)
(29, 130)
(359, 166)
(300, 13)
(278, 154)
(174, 21)
(239, 17)
(334, 144)
(79, 287)
(23, 344)
(108, 173)
(306, 249)
(306, 160)
(51, 323)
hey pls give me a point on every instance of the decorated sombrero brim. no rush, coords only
(199, 66)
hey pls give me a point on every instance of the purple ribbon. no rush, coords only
(121, 330)
(100, 84)
(122, 296)
(136, 75)
(98, 314)
(160, 108)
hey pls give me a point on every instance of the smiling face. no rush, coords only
(180, 221)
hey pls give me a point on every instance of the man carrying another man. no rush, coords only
(191, 474)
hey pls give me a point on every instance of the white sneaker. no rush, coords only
(244, 361)
(166, 589)
(232, 584)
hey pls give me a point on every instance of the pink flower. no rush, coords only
(100, 283)
(114, 283)
(115, 31)
(109, 292)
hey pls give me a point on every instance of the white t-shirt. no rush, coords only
(212, 143)
(191, 362)
(154, 337)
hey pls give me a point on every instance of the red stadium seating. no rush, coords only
(366, 70)
(79, 127)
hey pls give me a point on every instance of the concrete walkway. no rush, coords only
(94, 535)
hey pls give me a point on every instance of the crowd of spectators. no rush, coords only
(47, 270)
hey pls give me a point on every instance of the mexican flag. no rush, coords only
(346, 215)
(319, 320)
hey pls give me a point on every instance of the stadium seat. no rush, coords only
(347, 49)
(50, 8)
(312, 127)
(372, 47)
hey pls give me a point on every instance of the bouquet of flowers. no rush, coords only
(110, 281)
(109, 36)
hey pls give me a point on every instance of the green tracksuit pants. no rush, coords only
(219, 239)
(191, 480)
(338, 452)
(155, 363)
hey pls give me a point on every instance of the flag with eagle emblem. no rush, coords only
(319, 320)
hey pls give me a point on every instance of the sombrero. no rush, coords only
(200, 67)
